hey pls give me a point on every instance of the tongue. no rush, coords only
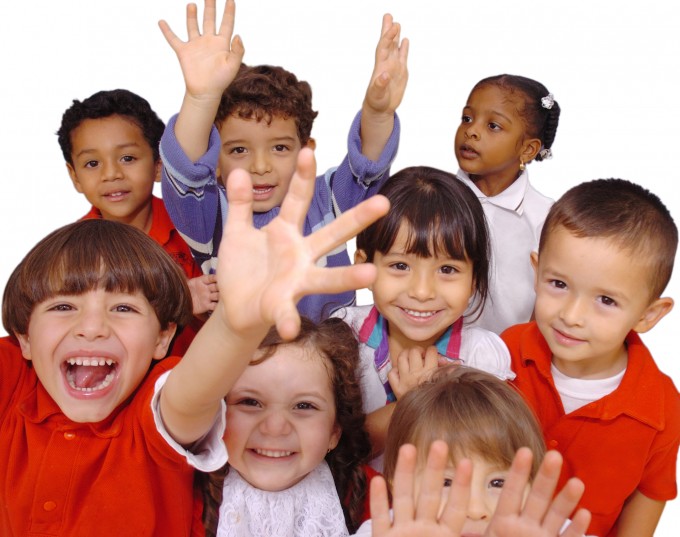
(89, 376)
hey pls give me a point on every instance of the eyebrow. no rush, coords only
(289, 139)
(494, 112)
(94, 150)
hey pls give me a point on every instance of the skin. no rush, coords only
(421, 297)
(113, 166)
(491, 141)
(585, 314)
(121, 328)
(417, 513)
(276, 437)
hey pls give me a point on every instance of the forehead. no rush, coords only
(267, 128)
(492, 98)
(107, 132)
(292, 369)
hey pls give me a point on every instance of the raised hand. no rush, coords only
(211, 59)
(204, 293)
(390, 74)
(540, 515)
(264, 272)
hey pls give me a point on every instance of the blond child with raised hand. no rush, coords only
(258, 118)
(490, 435)
(508, 122)
(90, 308)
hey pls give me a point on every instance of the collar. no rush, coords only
(374, 333)
(511, 199)
(639, 395)
(161, 224)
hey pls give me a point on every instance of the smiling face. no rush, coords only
(491, 141)
(419, 296)
(486, 486)
(281, 418)
(91, 351)
(114, 167)
(589, 294)
(267, 151)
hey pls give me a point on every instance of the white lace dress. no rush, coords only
(308, 508)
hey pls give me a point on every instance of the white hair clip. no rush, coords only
(548, 101)
(545, 153)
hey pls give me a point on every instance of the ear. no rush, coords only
(25, 345)
(359, 257)
(164, 340)
(157, 171)
(534, 264)
(335, 436)
(656, 311)
(74, 177)
(530, 149)
(311, 143)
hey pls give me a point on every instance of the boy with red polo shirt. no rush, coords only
(96, 441)
(110, 145)
(605, 257)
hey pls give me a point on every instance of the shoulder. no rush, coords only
(353, 315)
(485, 350)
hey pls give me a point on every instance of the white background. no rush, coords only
(611, 65)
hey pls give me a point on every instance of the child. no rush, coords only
(92, 306)
(258, 119)
(508, 122)
(110, 145)
(432, 256)
(605, 256)
(480, 418)
(295, 450)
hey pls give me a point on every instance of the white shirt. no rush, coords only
(515, 218)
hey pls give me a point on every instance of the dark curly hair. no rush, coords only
(262, 92)
(334, 340)
(108, 103)
(540, 122)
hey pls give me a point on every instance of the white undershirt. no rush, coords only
(576, 393)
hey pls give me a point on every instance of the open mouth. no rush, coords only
(467, 151)
(262, 189)
(114, 196)
(419, 314)
(90, 374)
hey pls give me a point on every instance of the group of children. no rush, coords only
(501, 325)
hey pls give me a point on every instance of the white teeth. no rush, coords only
(93, 362)
(103, 384)
(414, 313)
(273, 454)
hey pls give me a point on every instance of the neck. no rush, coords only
(492, 185)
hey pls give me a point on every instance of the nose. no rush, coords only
(275, 423)
(111, 171)
(477, 507)
(471, 131)
(260, 163)
(91, 324)
(572, 311)
(421, 286)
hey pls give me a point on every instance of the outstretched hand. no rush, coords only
(540, 515)
(209, 60)
(263, 273)
(390, 74)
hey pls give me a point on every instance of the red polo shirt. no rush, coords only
(625, 441)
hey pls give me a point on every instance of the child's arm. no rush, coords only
(639, 516)
(210, 59)
(259, 288)
(385, 89)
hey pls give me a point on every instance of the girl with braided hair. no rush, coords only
(508, 122)
(296, 441)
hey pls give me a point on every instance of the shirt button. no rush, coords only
(552, 444)
(49, 506)
(69, 435)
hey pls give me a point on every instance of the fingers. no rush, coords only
(337, 279)
(402, 488)
(347, 225)
(380, 509)
(579, 524)
(432, 481)
(512, 496)
(456, 508)
(240, 196)
(192, 21)
(228, 18)
(296, 202)
(209, 17)
(543, 487)
(564, 504)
